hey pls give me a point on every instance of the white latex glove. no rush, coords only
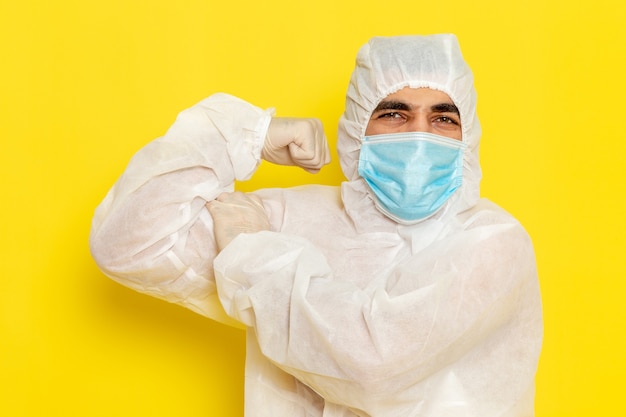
(296, 141)
(235, 213)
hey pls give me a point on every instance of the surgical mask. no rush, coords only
(411, 174)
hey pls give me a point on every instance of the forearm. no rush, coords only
(356, 345)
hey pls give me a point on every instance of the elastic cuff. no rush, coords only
(261, 131)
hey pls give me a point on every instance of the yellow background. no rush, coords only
(84, 84)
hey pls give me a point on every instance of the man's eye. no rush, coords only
(390, 115)
(447, 120)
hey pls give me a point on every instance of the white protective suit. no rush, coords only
(347, 312)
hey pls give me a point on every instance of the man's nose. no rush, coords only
(419, 124)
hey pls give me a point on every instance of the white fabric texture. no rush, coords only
(347, 312)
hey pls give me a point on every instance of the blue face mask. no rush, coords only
(411, 174)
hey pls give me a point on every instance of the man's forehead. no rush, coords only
(414, 98)
(418, 94)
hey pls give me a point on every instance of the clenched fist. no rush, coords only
(296, 141)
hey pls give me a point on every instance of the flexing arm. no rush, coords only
(153, 233)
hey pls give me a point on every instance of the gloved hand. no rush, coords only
(296, 141)
(235, 213)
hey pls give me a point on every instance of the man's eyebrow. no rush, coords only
(391, 105)
(445, 108)
(401, 105)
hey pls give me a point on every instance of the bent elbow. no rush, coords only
(106, 253)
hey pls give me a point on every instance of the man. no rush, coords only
(400, 293)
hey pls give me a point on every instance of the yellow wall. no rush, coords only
(84, 84)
